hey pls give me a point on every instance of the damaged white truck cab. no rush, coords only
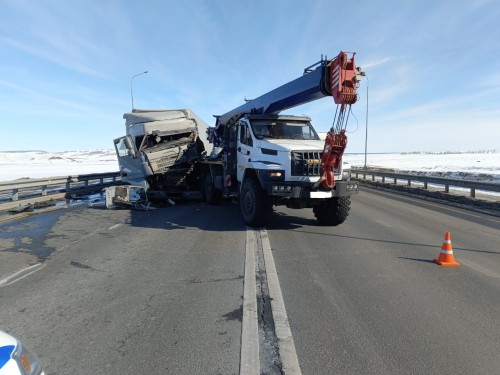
(160, 150)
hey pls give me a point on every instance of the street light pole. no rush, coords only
(366, 134)
(131, 90)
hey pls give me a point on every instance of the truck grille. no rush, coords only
(306, 163)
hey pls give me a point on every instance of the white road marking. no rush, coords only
(20, 274)
(287, 351)
(479, 268)
(115, 226)
(441, 205)
(249, 359)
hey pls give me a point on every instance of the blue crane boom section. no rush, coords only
(311, 86)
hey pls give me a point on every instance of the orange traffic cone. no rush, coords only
(446, 257)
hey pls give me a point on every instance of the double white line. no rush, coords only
(249, 359)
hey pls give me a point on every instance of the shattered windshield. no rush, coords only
(283, 129)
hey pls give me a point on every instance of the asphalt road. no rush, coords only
(161, 292)
(365, 298)
(134, 292)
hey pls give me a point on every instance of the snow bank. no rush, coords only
(42, 164)
(483, 166)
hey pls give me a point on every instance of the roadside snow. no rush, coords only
(474, 166)
(484, 166)
(42, 164)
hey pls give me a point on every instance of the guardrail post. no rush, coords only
(383, 179)
(446, 188)
(473, 193)
(409, 183)
(44, 190)
(15, 195)
(373, 177)
(425, 185)
(395, 181)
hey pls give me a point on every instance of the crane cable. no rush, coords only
(340, 119)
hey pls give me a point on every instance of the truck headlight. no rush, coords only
(27, 361)
(275, 174)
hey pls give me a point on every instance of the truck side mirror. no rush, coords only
(128, 144)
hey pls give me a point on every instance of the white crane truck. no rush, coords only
(259, 156)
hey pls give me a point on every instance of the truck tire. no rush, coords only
(333, 211)
(255, 206)
(212, 195)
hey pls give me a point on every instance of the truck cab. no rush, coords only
(159, 151)
(287, 142)
(275, 160)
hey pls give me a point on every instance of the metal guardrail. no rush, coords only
(25, 191)
(426, 180)
(18, 192)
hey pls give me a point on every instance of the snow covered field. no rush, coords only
(41, 164)
(480, 166)
(484, 166)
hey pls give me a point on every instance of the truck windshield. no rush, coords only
(288, 129)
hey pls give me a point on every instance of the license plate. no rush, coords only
(321, 194)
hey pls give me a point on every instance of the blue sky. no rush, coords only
(66, 66)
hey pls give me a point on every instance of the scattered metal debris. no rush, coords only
(30, 207)
(43, 204)
(22, 208)
(127, 196)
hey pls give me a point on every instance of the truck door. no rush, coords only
(130, 163)
(244, 150)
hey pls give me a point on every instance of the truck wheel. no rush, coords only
(212, 195)
(255, 206)
(333, 211)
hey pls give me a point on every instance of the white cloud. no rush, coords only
(375, 62)
(38, 96)
(58, 56)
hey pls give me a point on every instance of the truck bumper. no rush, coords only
(305, 191)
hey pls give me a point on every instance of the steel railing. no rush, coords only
(472, 186)
(26, 191)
